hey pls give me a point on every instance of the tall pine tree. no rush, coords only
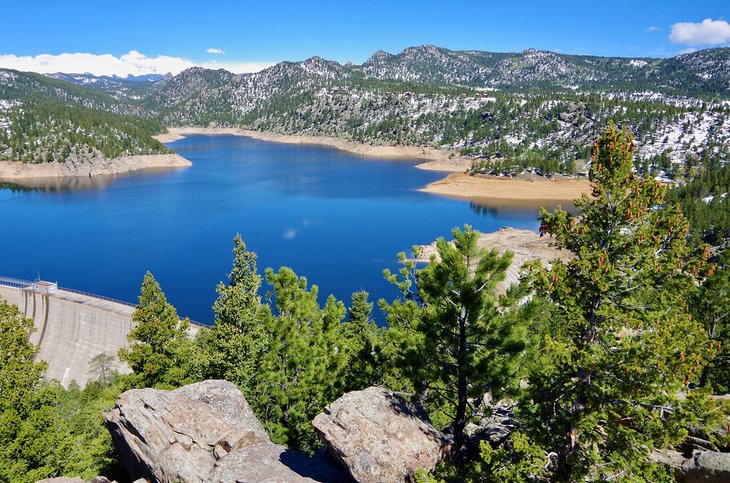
(456, 342)
(626, 344)
(233, 344)
(160, 352)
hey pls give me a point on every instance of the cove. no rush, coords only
(336, 218)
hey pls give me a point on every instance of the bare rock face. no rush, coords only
(494, 421)
(701, 466)
(179, 435)
(271, 463)
(379, 436)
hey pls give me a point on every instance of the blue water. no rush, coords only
(336, 218)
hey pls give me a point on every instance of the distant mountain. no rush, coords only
(703, 72)
(131, 87)
(105, 81)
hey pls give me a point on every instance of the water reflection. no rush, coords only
(499, 208)
(73, 183)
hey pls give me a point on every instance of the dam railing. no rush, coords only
(15, 282)
(21, 284)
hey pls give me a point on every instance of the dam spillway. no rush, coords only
(71, 328)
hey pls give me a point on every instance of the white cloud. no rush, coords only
(133, 62)
(652, 28)
(289, 234)
(215, 51)
(707, 32)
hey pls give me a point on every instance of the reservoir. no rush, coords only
(336, 218)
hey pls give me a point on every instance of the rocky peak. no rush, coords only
(378, 57)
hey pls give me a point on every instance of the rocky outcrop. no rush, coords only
(204, 432)
(379, 436)
(179, 435)
(701, 466)
(493, 421)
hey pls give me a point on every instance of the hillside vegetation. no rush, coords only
(513, 107)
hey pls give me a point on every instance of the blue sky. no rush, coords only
(257, 33)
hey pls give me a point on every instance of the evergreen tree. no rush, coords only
(302, 360)
(710, 304)
(608, 391)
(362, 340)
(33, 444)
(456, 342)
(160, 353)
(102, 367)
(233, 344)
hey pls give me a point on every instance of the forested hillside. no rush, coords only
(512, 107)
(44, 119)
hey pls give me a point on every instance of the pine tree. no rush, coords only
(607, 392)
(302, 360)
(233, 344)
(160, 353)
(362, 340)
(456, 341)
(710, 305)
(32, 443)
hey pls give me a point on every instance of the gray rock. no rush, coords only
(379, 436)
(702, 466)
(178, 435)
(493, 421)
(271, 463)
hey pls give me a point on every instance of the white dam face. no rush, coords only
(71, 329)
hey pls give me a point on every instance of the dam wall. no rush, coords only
(71, 327)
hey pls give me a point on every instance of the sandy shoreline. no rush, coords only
(15, 170)
(484, 188)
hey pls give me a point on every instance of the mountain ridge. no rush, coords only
(512, 106)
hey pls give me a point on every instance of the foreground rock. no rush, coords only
(702, 466)
(203, 432)
(179, 435)
(379, 436)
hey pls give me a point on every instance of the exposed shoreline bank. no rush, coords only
(485, 188)
(18, 171)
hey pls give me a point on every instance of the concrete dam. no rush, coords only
(71, 327)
